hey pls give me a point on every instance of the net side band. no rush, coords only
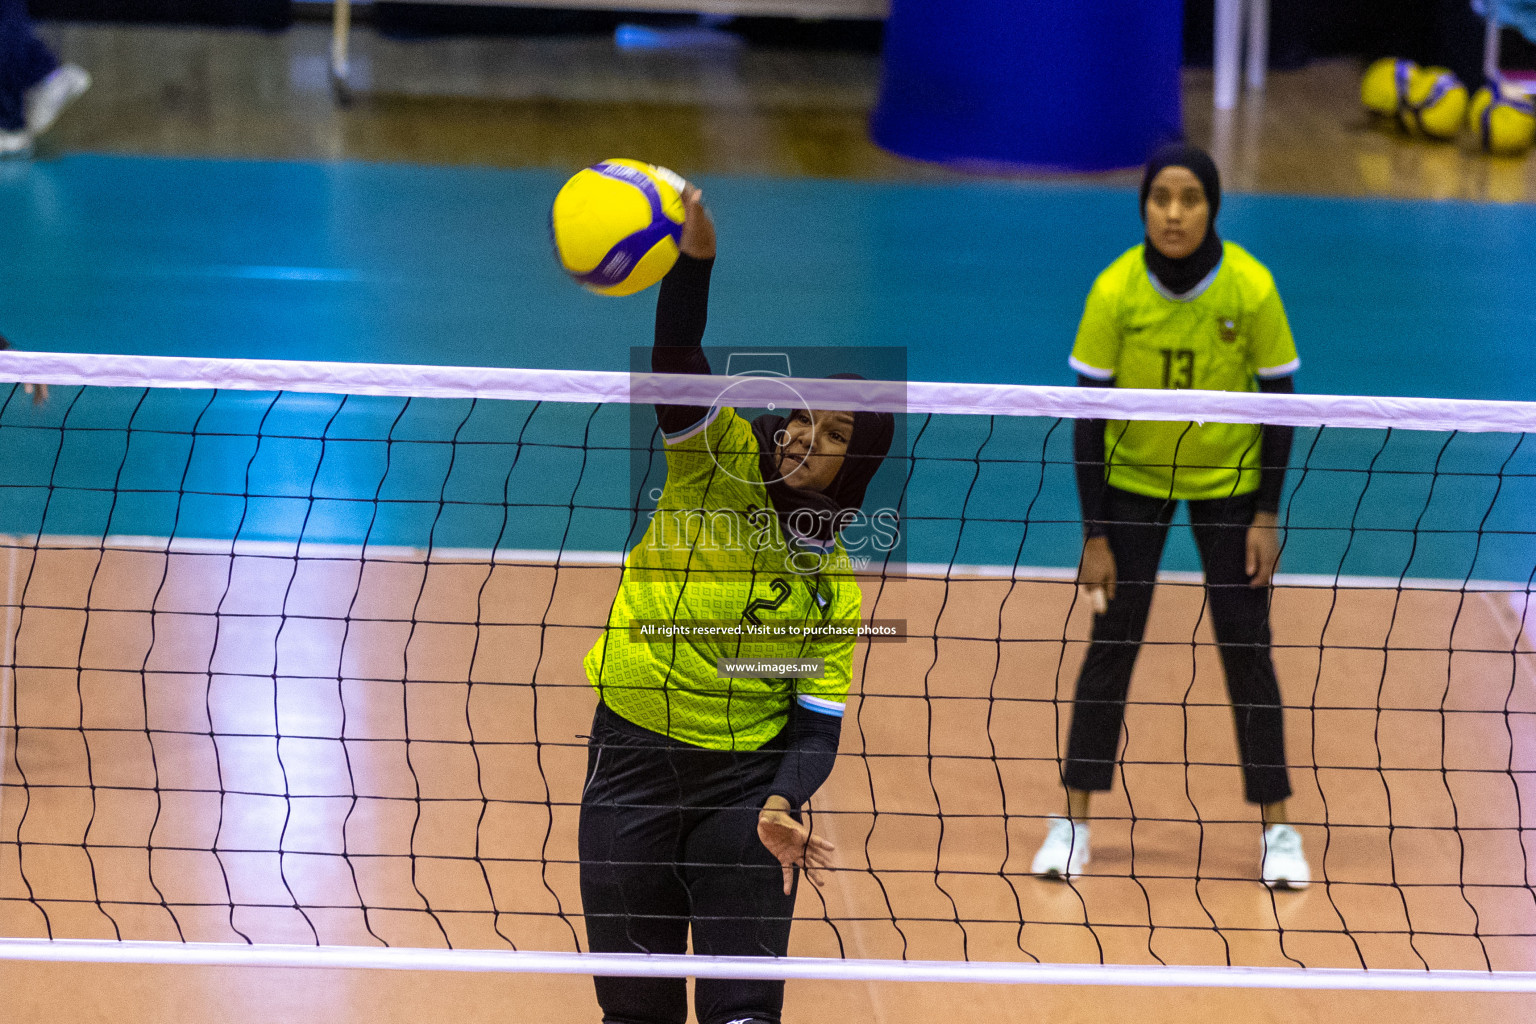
(636, 965)
(591, 386)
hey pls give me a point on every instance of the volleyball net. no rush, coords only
(293, 674)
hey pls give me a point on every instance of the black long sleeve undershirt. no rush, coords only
(1274, 449)
(682, 310)
(1088, 454)
(810, 756)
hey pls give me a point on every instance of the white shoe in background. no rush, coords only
(1065, 850)
(1285, 866)
(46, 100)
(15, 145)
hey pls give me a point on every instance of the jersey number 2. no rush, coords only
(1178, 367)
(766, 604)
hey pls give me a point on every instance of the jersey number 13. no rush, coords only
(1178, 367)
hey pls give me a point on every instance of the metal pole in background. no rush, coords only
(341, 32)
(1258, 42)
(1228, 51)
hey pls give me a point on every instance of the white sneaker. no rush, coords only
(46, 100)
(1285, 866)
(1065, 850)
(15, 145)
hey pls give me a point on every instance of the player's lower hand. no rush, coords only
(1263, 549)
(1096, 573)
(39, 392)
(792, 843)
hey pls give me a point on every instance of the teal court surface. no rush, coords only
(975, 282)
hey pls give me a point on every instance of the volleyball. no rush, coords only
(1503, 118)
(1384, 84)
(616, 225)
(1434, 104)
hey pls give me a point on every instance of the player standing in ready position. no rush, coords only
(1184, 310)
(690, 813)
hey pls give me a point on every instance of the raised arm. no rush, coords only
(682, 310)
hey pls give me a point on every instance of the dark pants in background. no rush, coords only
(24, 61)
(1138, 528)
(668, 841)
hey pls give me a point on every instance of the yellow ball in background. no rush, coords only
(616, 225)
(1503, 118)
(1384, 84)
(1435, 103)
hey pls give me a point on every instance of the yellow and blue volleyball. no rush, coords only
(616, 225)
(1434, 104)
(1504, 119)
(1384, 85)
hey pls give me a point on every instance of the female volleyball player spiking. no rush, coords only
(1183, 310)
(690, 814)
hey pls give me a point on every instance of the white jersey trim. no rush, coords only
(1283, 370)
(1089, 371)
(821, 704)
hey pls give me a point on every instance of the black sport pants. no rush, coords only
(1138, 527)
(668, 839)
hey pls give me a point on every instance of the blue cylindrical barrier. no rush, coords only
(1047, 83)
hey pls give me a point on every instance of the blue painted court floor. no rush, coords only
(977, 282)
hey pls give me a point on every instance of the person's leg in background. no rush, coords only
(1138, 528)
(34, 87)
(1240, 619)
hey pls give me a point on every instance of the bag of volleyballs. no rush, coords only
(1435, 103)
(616, 225)
(1384, 85)
(1504, 119)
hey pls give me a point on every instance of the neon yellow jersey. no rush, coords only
(713, 566)
(1224, 337)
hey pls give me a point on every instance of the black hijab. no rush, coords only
(813, 518)
(1181, 276)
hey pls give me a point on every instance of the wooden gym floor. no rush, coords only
(562, 103)
(565, 102)
(1412, 711)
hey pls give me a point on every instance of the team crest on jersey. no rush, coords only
(1227, 329)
